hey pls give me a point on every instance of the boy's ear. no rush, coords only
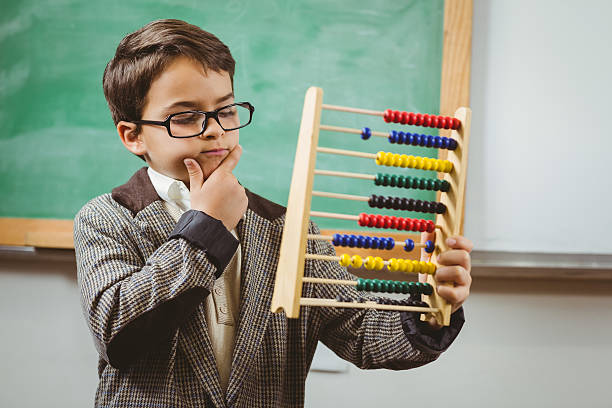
(131, 138)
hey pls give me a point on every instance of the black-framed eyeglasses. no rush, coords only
(193, 123)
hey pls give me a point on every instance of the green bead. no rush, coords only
(393, 181)
(378, 180)
(360, 284)
(384, 286)
(430, 184)
(427, 289)
(407, 182)
(376, 285)
(445, 186)
(398, 287)
(400, 181)
(405, 289)
(368, 285)
(436, 185)
(422, 184)
(386, 180)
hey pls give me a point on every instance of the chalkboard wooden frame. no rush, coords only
(455, 90)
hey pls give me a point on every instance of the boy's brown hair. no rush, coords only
(144, 54)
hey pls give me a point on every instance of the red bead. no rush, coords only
(441, 122)
(388, 222)
(434, 121)
(431, 227)
(419, 119)
(363, 219)
(371, 220)
(456, 123)
(388, 115)
(409, 224)
(411, 118)
(396, 116)
(448, 122)
(394, 222)
(380, 222)
(422, 226)
(426, 120)
(404, 118)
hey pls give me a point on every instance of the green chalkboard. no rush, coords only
(58, 144)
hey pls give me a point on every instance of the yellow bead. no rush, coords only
(388, 159)
(435, 165)
(426, 163)
(405, 160)
(397, 160)
(379, 263)
(380, 158)
(408, 266)
(356, 261)
(424, 267)
(370, 263)
(432, 268)
(420, 163)
(410, 162)
(393, 265)
(448, 166)
(345, 260)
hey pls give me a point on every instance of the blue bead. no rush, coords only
(423, 140)
(336, 241)
(437, 141)
(452, 144)
(368, 242)
(445, 143)
(400, 137)
(366, 132)
(392, 136)
(375, 242)
(409, 138)
(390, 243)
(360, 241)
(408, 245)
(429, 247)
(344, 240)
(352, 240)
(430, 141)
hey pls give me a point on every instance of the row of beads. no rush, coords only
(407, 204)
(383, 301)
(422, 140)
(394, 264)
(411, 182)
(399, 223)
(389, 286)
(359, 241)
(413, 162)
(418, 119)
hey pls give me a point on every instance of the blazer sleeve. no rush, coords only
(132, 304)
(372, 338)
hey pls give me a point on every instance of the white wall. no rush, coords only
(538, 178)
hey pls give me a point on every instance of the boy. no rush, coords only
(176, 266)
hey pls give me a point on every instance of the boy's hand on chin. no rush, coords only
(220, 196)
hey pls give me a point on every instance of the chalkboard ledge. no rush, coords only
(35, 232)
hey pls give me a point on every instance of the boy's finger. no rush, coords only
(229, 163)
(459, 242)
(196, 177)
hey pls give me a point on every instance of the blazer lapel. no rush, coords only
(257, 236)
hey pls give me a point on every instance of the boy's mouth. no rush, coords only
(215, 152)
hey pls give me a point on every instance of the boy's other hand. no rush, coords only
(453, 272)
(220, 196)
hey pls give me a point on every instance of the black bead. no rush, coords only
(371, 200)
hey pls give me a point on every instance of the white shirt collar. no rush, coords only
(170, 190)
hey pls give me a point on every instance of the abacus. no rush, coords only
(448, 210)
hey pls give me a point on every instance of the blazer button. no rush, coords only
(218, 291)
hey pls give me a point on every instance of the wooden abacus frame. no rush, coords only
(290, 271)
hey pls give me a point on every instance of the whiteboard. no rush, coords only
(539, 166)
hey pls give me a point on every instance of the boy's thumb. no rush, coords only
(195, 172)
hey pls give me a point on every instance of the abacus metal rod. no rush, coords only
(365, 305)
(330, 238)
(345, 174)
(353, 110)
(329, 281)
(346, 152)
(351, 130)
(341, 196)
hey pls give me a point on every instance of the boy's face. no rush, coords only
(182, 86)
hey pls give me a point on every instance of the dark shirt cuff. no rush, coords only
(429, 340)
(208, 234)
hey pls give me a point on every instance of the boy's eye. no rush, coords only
(227, 112)
(186, 118)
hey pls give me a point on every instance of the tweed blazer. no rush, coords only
(143, 279)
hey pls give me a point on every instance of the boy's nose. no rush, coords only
(213, 130)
